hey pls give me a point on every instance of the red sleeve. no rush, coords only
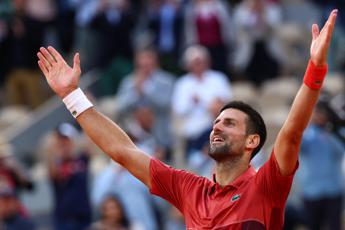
(274, 185)
(171, 184)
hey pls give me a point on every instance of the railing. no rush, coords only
(25, 134)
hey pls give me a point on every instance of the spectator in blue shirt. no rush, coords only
(321, 175)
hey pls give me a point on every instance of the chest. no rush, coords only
(225, 207)
(72, 171)
(206, 89)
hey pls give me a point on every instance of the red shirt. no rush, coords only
(209, 30)
(254, 201)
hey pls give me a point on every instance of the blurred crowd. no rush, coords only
(250, 40)
(165, 68)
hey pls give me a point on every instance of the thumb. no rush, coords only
(76, 63)
(315, 31)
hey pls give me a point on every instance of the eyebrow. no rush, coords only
(225, 119)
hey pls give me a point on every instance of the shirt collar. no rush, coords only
(239, 180)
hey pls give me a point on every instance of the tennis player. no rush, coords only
(237, 197)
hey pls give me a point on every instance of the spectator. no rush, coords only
(208, 23)
(320, 172)
(150, 85)
(113, 216)
(12, 174)
(141, 131)
(113, 21)
(337, 108)
(103, 36)
(65, 24)
(256, 54)
(27, 30)
(10, 212)
(135, 197)
(68, 171)
(166, 21)
(194, 93)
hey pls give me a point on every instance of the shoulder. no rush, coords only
(217, 75)
(128, 79)
(165, 76)
(185, 79)
(160, 168)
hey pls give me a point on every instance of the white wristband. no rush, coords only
(76, 102)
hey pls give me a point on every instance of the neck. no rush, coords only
(111, 222)
(199, 74)
(230, 169)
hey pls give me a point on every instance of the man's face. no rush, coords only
(228, 135)
(64, 146)
(198, 65)
(146, 61)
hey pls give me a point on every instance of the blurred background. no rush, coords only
(161, 69)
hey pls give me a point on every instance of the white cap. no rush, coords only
(67, 130)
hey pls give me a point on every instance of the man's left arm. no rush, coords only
(286, 147)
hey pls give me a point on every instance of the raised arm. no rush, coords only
(286, 147)
(105, 133)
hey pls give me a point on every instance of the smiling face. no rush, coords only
(229, 135)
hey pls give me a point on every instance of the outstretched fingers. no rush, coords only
(48, 56)
(315, 31)
(44, 62)
(331, 21)
(329, 25)
(43, 68)
(55, 54)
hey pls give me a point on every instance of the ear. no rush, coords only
(253, 141)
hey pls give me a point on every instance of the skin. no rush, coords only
(63, 79)
(230, 145)
(112, 213)
(198, 65)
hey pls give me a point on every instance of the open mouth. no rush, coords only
(217, 140)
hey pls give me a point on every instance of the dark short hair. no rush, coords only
(255, 123)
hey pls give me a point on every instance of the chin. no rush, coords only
(218, 152)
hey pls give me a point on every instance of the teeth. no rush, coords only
(217, 139)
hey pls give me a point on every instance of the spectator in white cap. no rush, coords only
(69, 169)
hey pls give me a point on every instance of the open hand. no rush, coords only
(60, 76)
(321, 40)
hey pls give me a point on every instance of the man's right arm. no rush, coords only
(116, 144)
(64, 80)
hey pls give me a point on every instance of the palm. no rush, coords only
(321, 40)
(61, 78)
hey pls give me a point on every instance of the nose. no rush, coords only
(217, 127)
